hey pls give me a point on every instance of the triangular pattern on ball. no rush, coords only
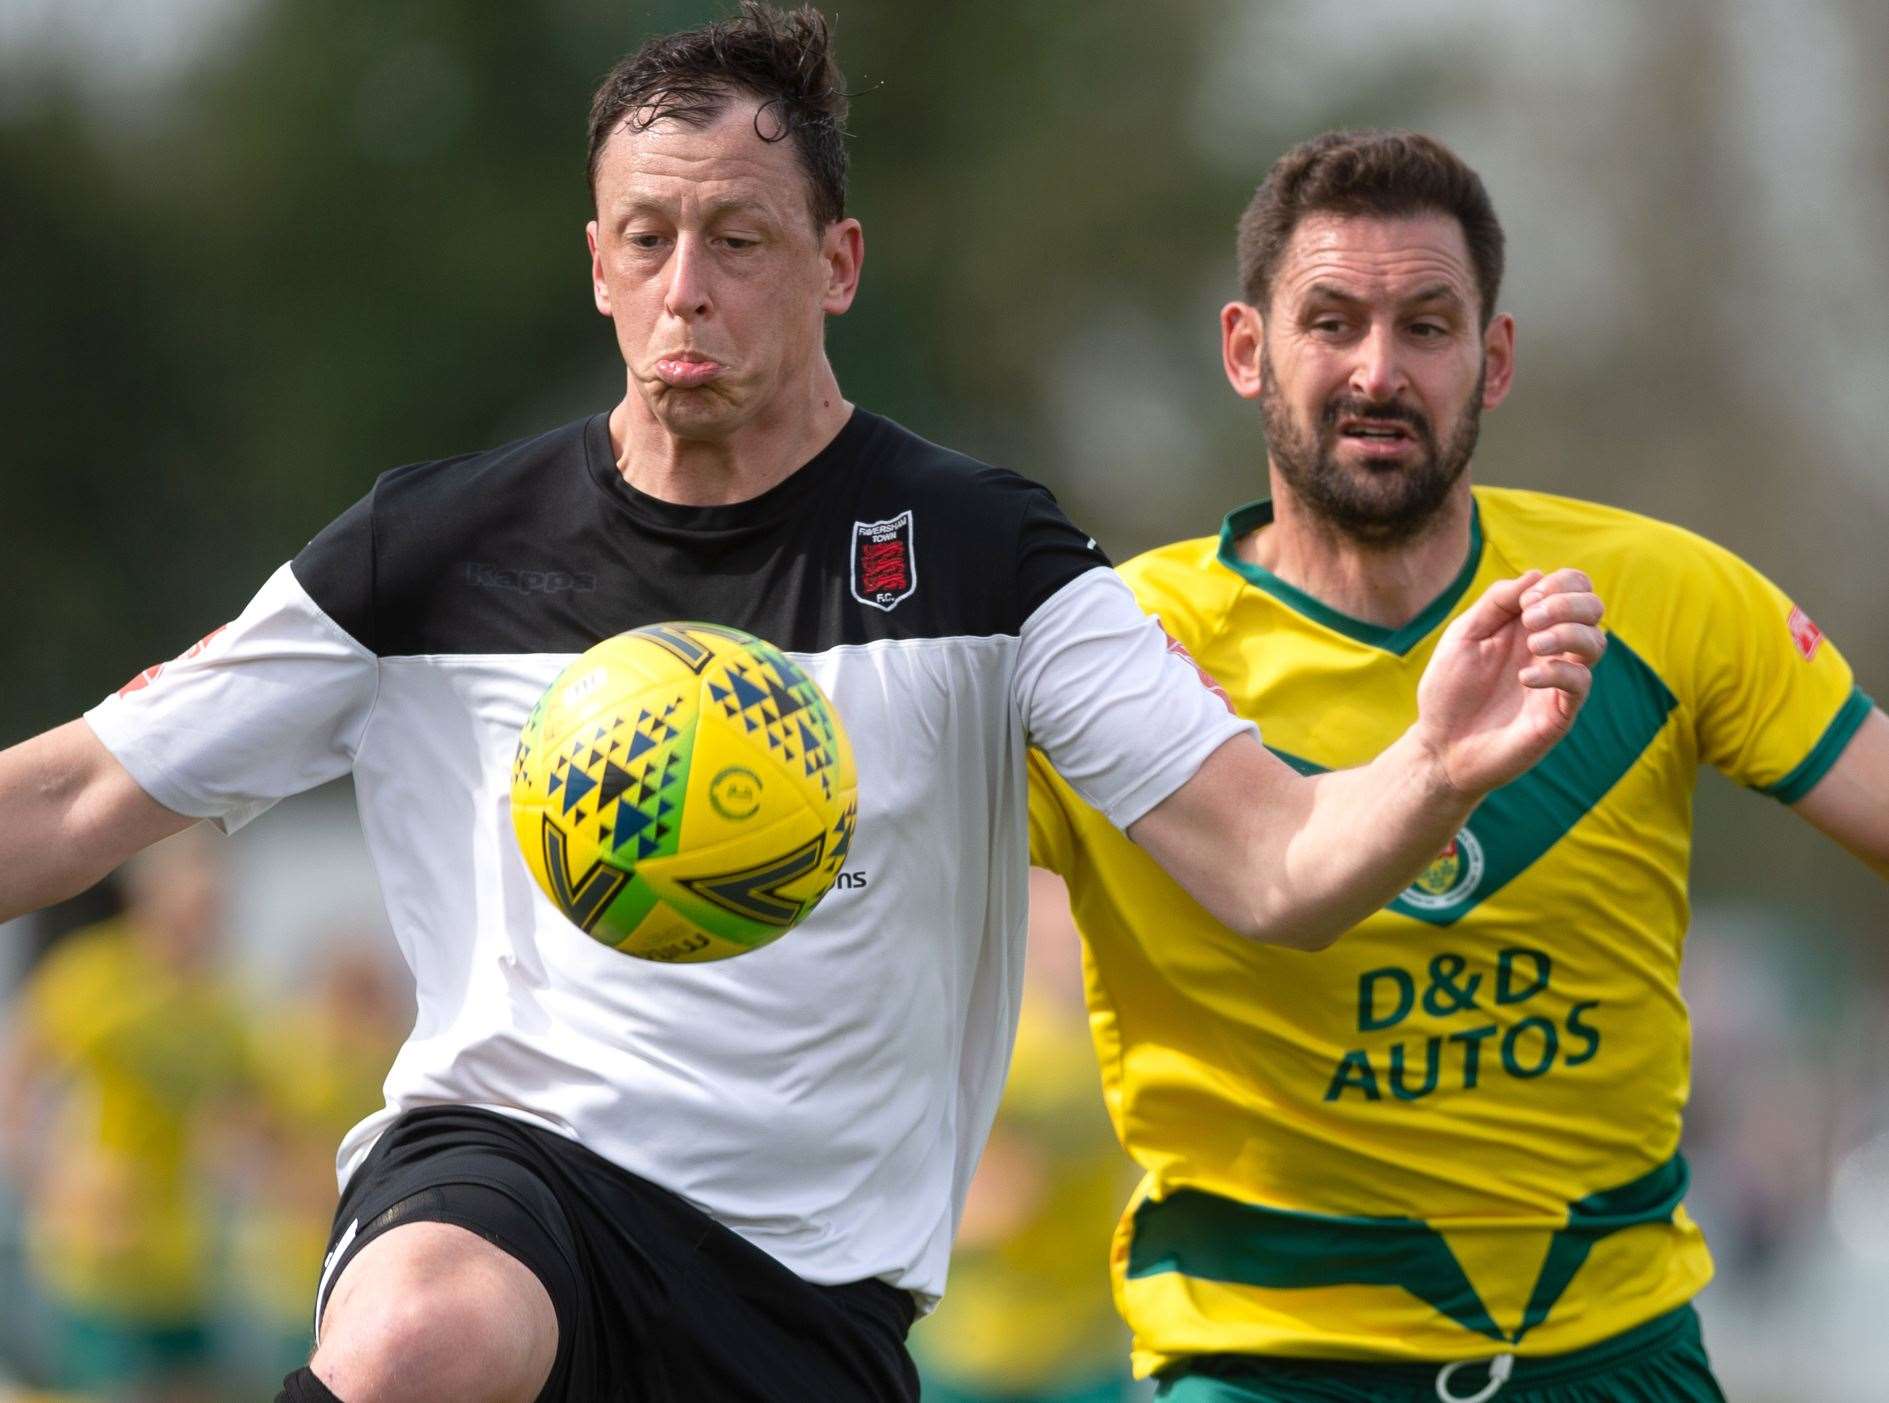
(628, 757)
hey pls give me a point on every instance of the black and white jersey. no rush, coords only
(824, 1096)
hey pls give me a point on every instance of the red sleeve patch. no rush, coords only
(1206, 679)
(142, 680)
(150, 674)
(1805, 633)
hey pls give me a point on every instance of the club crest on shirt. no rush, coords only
(1450, 878)
(884, 571)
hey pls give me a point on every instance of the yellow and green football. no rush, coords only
(684, 792)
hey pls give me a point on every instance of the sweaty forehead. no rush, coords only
(1375, 259)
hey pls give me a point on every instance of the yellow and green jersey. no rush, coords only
(143, 1050)
(1457, 1130)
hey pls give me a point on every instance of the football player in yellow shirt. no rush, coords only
(131, 1039)
(1439, 1159)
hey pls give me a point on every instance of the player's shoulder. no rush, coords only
(996, 540)
(1666, 588)
(1187, 568)
(424, 507)
(904, 464)
(522, 475)
(1185, 585)
(480, 521)
(1544, 530)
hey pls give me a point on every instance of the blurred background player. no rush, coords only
(321, 1052)
(1441, 1159)
(124, 1051)
(1029, 1318)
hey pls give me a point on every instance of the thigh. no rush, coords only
(655, 1301)
(451, 1216)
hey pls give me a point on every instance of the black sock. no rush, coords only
(303, 1387)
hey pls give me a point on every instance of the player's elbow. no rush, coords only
(1307, 938)
(1287, 930)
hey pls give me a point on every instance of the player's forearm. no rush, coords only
(68, 815)
(43, 858)
(1360, 837)
(1298, 861)
(1293, 861)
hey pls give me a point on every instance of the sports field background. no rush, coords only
(255, 251)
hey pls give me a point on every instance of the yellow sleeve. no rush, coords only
(1052, 839)
(1775, 701)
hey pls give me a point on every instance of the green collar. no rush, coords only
(1254, 515)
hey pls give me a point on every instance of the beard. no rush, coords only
(1376, 506)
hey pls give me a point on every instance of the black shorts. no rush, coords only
(655, 1300)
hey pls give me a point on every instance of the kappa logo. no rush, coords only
(529, 581)
(884, 571)
(1450, 878)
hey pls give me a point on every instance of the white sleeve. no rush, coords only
(263, 708)
(1125, 719)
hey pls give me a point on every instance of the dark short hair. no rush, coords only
(1389, 174)
(782, 57)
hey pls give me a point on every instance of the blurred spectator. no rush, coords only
(1027, 1317)
(1791, 1058)
(98, 903)
(320, 1058)
(122, 1039)
(1760, 1126)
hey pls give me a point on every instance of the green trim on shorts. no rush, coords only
(1662, 1361)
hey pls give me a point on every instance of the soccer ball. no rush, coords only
(684, 792)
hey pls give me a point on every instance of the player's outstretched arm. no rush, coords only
(69, 813)
(1297, 861)
(1851, 801)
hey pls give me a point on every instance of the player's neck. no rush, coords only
(1386, 585)
(706, 472)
